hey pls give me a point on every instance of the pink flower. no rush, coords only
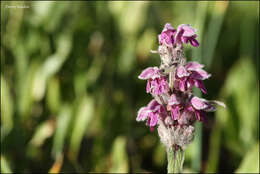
(200, 106)
(151, 113)
(175, 106)
(167, 35)
(189, 75)
(184, 111)
(156, 83)
(185, 33)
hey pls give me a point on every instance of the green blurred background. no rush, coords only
(70, 92)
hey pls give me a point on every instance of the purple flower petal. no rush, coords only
(159, 86)
(199, 103)
(190, 83)
(162, 111)
(148, 86)
(200, 74)
(193, 66)
(199, 84)
(182, 72)
(168, 26)
(182, 85)
(167, 35)
(189, 108)
(194, 42)
(186, 33)
(173, 100)
(175, 112)
(150, 73)
(188, 30)
(178, 36)
(200, 115)
(142, 114)
(154, 119)
(152, 104)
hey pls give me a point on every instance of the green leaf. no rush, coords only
(159, 156)
(250, 163)
(53, 95)
(236, 126)
(215, 25)
(119, 156)
(63, 123)
(5, 168)
(84, 114)
(43, 131)
(242, 119)
(25, 99)
(51, 65)
(6, 109)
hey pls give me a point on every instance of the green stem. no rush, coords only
(175, 159)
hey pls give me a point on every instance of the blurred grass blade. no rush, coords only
(201, 13)
(238, 122)
(57, 165)
(53, 95)
(196, 148)
(84, 114)
(250, 163)
(6, 109)
(44, 131)
(52, 65)
(212, 35)
(145, 43)
(119, 156)
(25, 92)
(61, 130)
(159, 156)
(5, 168)
(41, 10)
(129, 15)
(214, 149)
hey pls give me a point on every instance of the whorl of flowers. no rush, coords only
(175, 108)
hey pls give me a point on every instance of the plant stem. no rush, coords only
(175, 157)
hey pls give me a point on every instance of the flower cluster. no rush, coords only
(184, 34)
(174, 107)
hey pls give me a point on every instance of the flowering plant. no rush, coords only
(175, 108)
